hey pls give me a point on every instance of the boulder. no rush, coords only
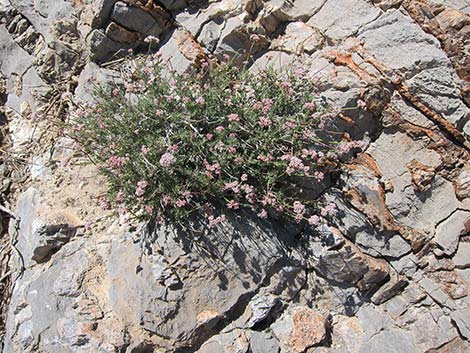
(300, 328)
(40, 231)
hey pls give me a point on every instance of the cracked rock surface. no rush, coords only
(392, 271)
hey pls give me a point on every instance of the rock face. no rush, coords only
(391, 271)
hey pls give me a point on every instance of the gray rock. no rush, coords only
(43, 13)
(410, 296)
(42, 300)
(260, 308)
(419, 210)
(399, 43)
(41, 232)
(272, 58)
(436, 293)
(238, 41)
(298, 38)
(406, 265)
(91, 74)
(136, 19)
(449, 231)
(235, 341)
(210, 34)
(277, 11)
(394, 341)
(372, 320)
(33, 87)
(104, 48)
(15, 60)
(336, 20)
(461, 258)
(182, 279)
(461, 5)
(337, 259)
(174, 4)
(262, 342)
(394, 286)
(461, 318)
(181, 51)
(430, 327)
(102, 12)
(438, 88)
(354, 225)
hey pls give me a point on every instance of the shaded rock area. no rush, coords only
(390, 273)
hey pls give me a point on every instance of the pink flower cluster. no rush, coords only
(167, 160)
(214, 221)
(212, 169)
(116, 162)
(295, 164)
(141, 186)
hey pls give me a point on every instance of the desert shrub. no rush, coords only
(171, 144)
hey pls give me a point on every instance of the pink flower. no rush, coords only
(269, 199)
(145, 149)
(231, 149)
(247, 188)
(250, 197)
(310, 106)
(264, 158)
(115, 162)
(234, 186)
(232, 204)
(212, 168)
(295, 164)
(166, 199)
(298, 218)
(141, 186)
(299, 208)
(314, 220)
(209, 137)
(219, 128)
(361, 104)
(119, 197)
(267, 105)
(233, 117)
(173, 148)
(167, 160)
(264, 122)
(200, 100)
(215, 221)
(319, 176)
(290, 125)
(104, 203)
(158, 113)
(309, 153)
(299, 72)
(116, 92)
(148, 208)
(285, 85)
(263, 214)
(244, 177)
(258, 106)
(345, 147)
(180, 203)
(329, 209)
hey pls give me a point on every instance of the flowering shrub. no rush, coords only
(171, 144)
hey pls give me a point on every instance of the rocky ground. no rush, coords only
(391, 274)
